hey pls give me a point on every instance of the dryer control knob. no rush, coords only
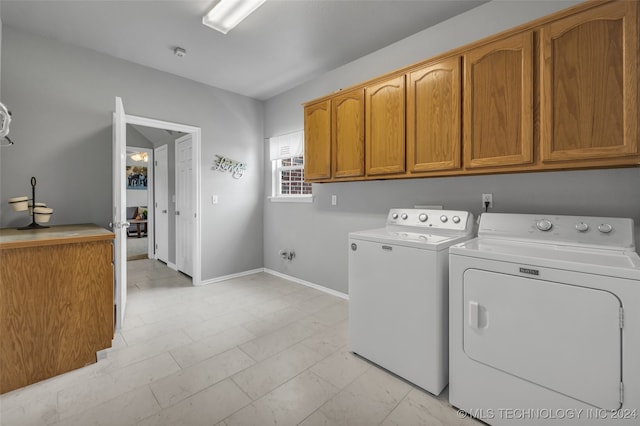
(582, 227)
(605, 228)
(404, 216)
(423, 217)
(455, 219)
(394, 215)
(544, 225)
(443, 219)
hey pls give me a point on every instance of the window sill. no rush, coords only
(307, 199)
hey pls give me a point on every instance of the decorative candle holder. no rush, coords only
(19, 204)
(37, 211)
(42, 215)
(37, 205)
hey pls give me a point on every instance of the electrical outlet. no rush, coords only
(487, 198)
(334, 200)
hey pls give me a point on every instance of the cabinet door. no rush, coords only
(385, 126)
(317, 141)
(433, 117)
(347, 121)
(498, 103)
(589, 83)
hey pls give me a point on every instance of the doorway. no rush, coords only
(120, 121)
(172, 206)
(174, 132)
(139, 182)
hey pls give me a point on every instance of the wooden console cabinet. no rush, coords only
(56, 301)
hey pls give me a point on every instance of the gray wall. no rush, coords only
(318, 232)
(62, 99)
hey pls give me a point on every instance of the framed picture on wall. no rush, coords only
(136, 177)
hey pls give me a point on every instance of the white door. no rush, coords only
(119, 223)
(161, 209)
(185, 205)
(563, 337)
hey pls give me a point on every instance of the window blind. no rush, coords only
(286, 146)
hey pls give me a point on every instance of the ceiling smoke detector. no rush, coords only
(179, 52)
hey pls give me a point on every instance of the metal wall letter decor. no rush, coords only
(234, 167)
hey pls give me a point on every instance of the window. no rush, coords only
(289, 177)
(287, 160)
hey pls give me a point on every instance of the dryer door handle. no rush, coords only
(474, 314)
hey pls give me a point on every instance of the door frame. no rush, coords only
(196, 133)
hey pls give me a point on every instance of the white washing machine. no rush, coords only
(398, 297)
(545, 321)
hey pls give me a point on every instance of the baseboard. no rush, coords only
(229, 277)
(308, 284)
(172, 266)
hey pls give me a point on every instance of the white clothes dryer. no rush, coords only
(398, 296)
(545, 321)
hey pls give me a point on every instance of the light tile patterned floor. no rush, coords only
(256, 350)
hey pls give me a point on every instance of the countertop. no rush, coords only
(11, 238)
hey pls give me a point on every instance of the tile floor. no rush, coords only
(256, 350)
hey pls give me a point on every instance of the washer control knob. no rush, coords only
(404, 216)
(456, 219)
(443, 219)
(582, 227)
(423, 217)
(605, 228)
(394, 215)
(544, 225)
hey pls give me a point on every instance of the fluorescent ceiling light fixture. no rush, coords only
(226, 14)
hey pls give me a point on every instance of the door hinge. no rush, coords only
(155, 163)
(156, 247)
(621, 317)
(621, 393)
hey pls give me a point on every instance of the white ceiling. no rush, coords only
(282, 44)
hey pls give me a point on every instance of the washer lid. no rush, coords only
(409, 239)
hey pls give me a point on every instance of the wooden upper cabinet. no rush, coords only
(433, 117)
(317, 141)
(385, 127)
(347, 129)
(498, 103)
(589, 84)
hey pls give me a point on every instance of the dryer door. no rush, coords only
(563, 337)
